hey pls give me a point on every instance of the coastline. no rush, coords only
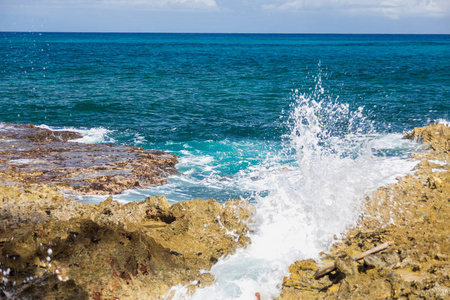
(413, 214)
(52, 247)
(33, 155)
(142, 249)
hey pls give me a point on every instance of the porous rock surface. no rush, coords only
(29, 154)
(55, 248)
(413, 213)
(52, 247)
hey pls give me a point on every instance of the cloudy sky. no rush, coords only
(252, 16)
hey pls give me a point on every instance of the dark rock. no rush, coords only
(31, 155)
(50, 287)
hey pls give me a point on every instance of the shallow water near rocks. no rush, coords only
(307, 194)
(251, 116)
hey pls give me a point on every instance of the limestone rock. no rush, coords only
(302, 277)
(436, 136)
(346, 265)
(50, 157)
(414, 214)
(134, 251)
(50, 287)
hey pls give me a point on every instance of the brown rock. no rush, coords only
(302, 277)
(49, 157)
(412, 213)
(50, 287)
(109, 250)
(346, 265)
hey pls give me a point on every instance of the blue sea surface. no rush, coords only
(220, 101)
(303, 126)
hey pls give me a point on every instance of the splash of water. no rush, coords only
(89, 136)
(306, 195)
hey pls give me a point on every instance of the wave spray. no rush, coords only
(305, 195)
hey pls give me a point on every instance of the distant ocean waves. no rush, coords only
(179, 87)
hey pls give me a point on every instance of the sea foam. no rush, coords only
(89, 136)
(307, 194)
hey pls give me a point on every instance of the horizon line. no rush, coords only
(225, 33)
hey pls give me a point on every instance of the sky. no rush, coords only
(227, 16)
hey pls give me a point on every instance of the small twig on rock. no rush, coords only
(379, 248)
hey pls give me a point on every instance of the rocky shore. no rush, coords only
(54, 248)
(33, 155)
(414, 215)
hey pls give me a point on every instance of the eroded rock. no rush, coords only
(414, 214)
(30, 154)
(54, 248)
(134, 251)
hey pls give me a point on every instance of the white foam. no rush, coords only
(25, 161)
(439, 170)
(306, 199)
(209, 169)
(443, 121)
(438, 162)
(124, 198)
(192, 160)
(90, 136)
(138, 139)
(5, 126)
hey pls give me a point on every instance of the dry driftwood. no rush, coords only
(378, 248)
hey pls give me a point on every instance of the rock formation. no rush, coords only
(54, 248)
(29, 154)
(414, 214)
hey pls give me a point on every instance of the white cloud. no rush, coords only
(144, 4)
(389, 8)
(188, 4)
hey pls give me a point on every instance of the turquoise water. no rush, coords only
(220, 101)
(303, 126)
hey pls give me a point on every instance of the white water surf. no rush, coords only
(306, 195)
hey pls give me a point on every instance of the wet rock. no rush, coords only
(54, 248)
(414, 214)
(31, 155)
(436, 136)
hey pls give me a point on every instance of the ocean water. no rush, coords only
(303, 126)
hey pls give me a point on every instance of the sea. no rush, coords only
(301, 125)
